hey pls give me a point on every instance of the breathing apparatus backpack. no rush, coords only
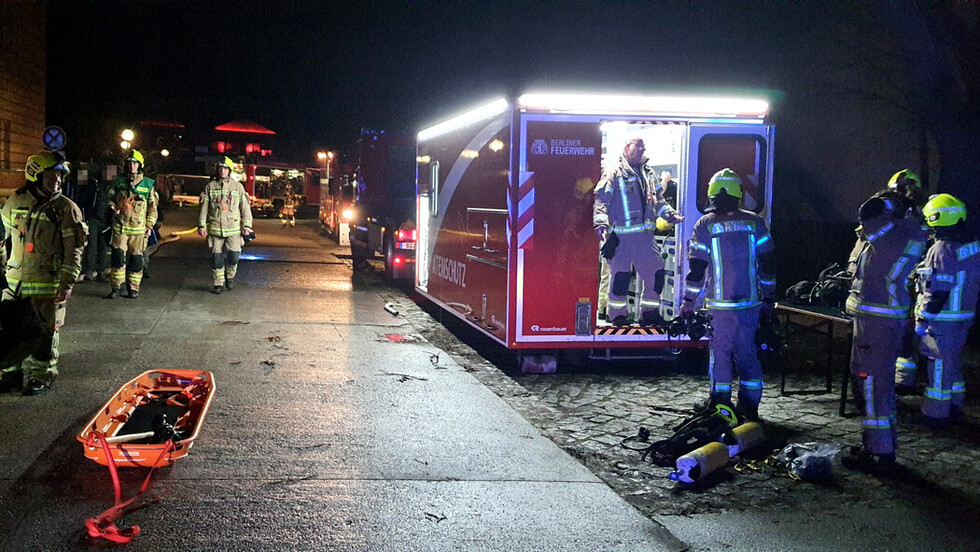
(705, 426)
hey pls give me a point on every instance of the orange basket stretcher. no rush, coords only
(130, 422)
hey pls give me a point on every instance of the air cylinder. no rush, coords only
(743, 437)
(700, 462)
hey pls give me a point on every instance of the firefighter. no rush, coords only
(628, 200)
(134, 202)
(98, 215)
(945, 309)
(731, 259)
(45, 234)
(880, 303)
(288, 212)
(225, 218)
(906, 185)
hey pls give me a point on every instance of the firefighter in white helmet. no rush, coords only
(731, 261)
(880, 304)
(45, 233)
(225, 218)
(944, 311)
(134, 202)
(628, 200)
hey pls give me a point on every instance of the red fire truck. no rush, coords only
(266, 184)
(505, 201)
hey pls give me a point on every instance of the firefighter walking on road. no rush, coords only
(134, 202)
(628, 200)
(880, 302)
(944, 311)
(731, 260)
(225, 218)
(45, 233)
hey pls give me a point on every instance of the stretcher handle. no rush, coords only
(130, 437)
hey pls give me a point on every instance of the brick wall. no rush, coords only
(23, 73)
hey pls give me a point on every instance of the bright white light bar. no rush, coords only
(483, 112)
(646, 105)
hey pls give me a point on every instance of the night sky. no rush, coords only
(316, 72)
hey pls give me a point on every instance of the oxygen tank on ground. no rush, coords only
(742, 438)
(700, 462)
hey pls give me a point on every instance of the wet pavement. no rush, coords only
(589, 410)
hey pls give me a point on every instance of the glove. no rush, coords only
(921, 327)
(687, 308)
(608, 249)
(673, 217)
(600, 232)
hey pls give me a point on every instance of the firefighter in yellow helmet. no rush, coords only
(731, 263)
(944, 311)
(45, 233)
(225, 218)
(134, 201)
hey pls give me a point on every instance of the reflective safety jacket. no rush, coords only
(890, 250)
(225, 209)
(733, 245)
(46, 238)
(627, 202)
(954, 268)
(136, 203)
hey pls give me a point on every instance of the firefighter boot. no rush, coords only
(217, 290)
(36, 387)
(860, 459)
(113, 293)
(230, 283)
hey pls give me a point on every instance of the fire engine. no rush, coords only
(383, 212)
(336, 208)
(505, 204)
(266, 185)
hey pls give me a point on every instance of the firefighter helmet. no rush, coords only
(43, 161)
(944, 210)
(904, 180)
(225, 162)
(727, 180)
(135, 156)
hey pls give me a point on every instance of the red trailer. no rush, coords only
(505, 200)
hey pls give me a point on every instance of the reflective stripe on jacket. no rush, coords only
(136, 204)
(731, 244)
(952, 267)
(890, 251)
(47, 239)
(225, 209)
(627, 202)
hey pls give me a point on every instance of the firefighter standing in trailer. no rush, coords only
(628, 200)
(45, 232)
(731, 257)
(945, 309)
(880, 303)
(134, 201)
(225, 219)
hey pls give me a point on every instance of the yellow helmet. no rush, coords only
(226, 162)
(944, 210)
(904, 179)
(43, 161)
(135, 156)
(727, 180)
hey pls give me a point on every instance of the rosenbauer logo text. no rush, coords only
(537, 328)
(559, 146)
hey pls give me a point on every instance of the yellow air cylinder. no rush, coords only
(700, 462)
(742, 438)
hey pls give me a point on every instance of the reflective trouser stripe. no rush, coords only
(904, 371)
(134, 279)
(117, 276)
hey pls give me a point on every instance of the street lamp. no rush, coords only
(128, 135)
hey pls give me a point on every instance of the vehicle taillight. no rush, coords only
(407, 235)
(399, 260)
